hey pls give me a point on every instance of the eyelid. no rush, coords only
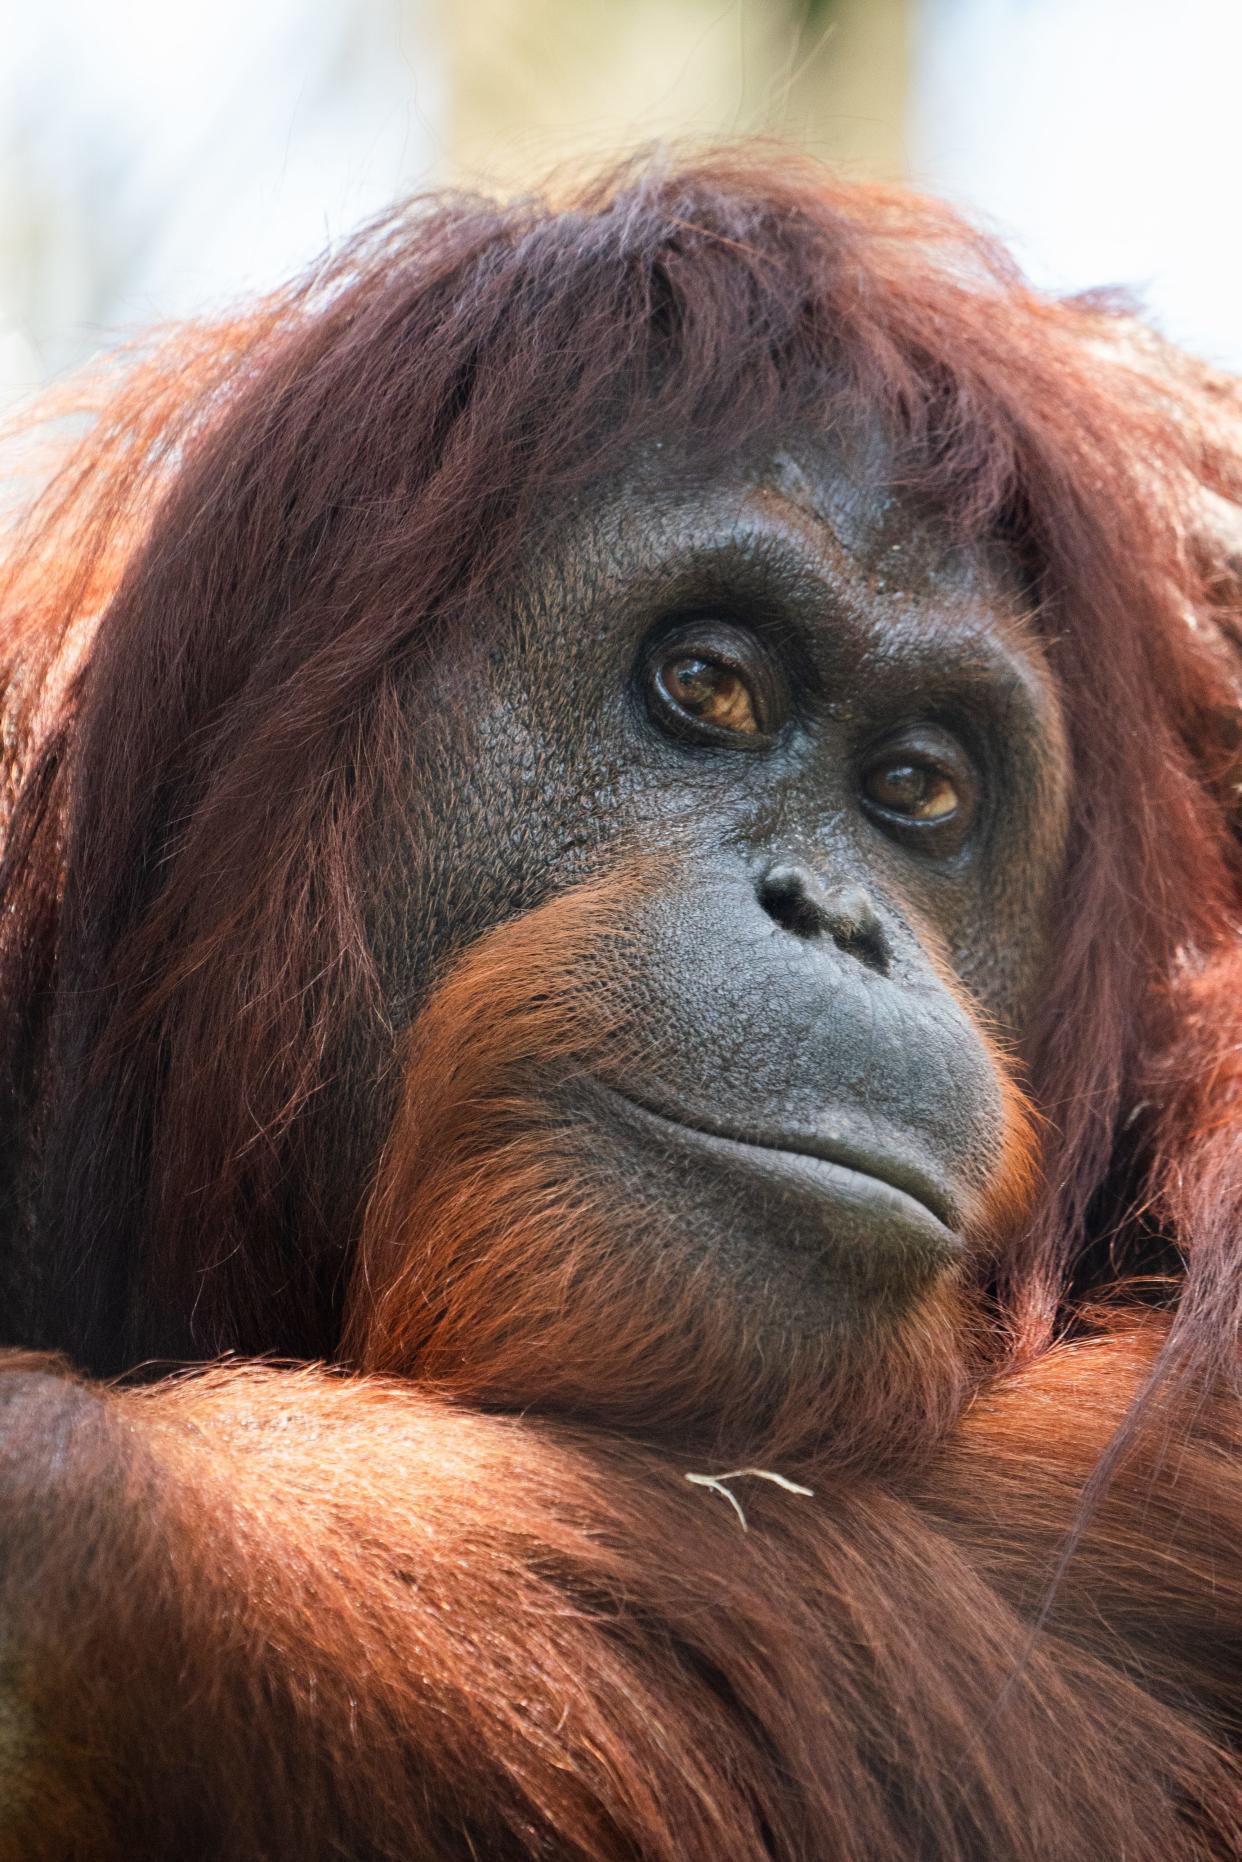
(923, 738)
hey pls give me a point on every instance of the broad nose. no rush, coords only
(798, 900)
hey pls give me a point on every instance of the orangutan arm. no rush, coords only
(288, 1614)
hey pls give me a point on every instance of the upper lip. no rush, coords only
(898, 1173)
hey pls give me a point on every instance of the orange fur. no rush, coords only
(454, 1596)
(500, 1263)
(308, 1615)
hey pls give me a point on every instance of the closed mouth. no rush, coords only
(853, 1166)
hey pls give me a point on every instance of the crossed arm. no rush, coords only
(286, 1613)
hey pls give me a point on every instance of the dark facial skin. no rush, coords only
(842, 735)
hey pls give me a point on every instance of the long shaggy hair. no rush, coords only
(214, 617)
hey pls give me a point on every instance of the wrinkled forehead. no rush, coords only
(850, 481)
(820, 518)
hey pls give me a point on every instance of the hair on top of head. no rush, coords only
(213, 612)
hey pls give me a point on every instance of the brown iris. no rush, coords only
(919, 791)
(710, 692)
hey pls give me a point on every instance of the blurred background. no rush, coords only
(161, 157)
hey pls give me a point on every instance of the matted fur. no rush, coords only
(279, 1613)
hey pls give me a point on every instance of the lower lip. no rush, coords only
(854, 1203)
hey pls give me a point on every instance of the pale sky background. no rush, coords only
(1105, 138)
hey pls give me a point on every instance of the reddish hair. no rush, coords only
(311, 1615)
(215, 619)
(444, 1631)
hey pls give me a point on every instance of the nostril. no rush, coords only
(799, 903)
(855, 926)
(785, 896)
